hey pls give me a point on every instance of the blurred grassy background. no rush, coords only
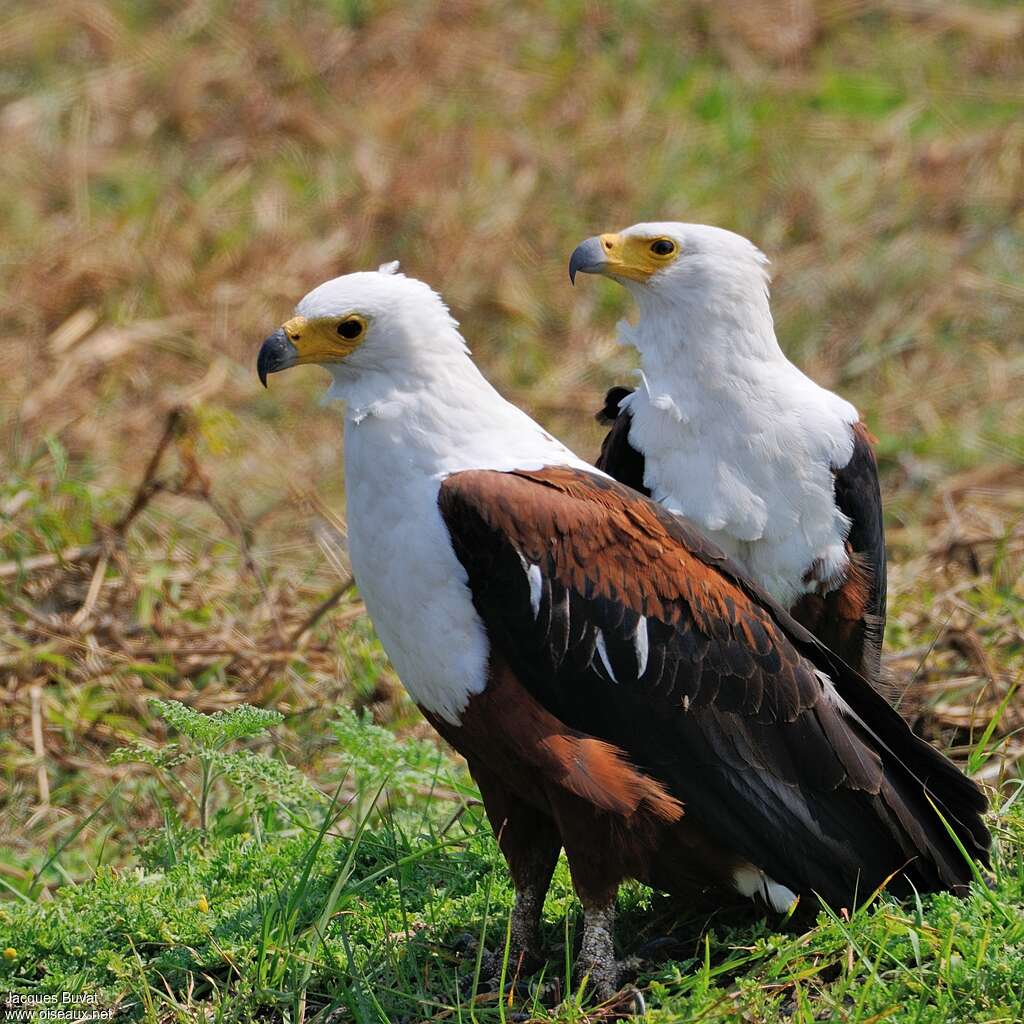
(176, 176)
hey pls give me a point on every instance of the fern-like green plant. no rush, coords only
(259, 778)
(375, 755)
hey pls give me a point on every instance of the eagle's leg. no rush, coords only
(597, 950)
(596, 874)
(530, 842)
(597, 960)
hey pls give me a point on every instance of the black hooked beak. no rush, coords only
(276, 353)
(587, 258)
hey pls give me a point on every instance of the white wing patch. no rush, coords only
(602, 650)
(534, 578)
(533, 575)
(752, 881)
(642, 644)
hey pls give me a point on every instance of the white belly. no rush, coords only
(414, 587)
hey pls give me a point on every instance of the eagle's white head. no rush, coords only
(397, 358)
(699, 287)
(667, 256)
(370, 323)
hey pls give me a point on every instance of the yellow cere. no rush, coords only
(327, 339)
(636, 258)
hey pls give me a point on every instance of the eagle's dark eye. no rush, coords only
(350, 329)
(663, 247)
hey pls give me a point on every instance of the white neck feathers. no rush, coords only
(734, 435)
(409, 427)
(706, 328)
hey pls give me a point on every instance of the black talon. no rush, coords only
(632, 1000)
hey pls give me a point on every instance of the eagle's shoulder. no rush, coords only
(619, 458)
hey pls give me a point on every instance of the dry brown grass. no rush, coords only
(174, 178)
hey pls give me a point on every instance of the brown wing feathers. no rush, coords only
(824, 790)
(586, 767)
(849, 618)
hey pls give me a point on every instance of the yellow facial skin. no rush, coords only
(325, 341)
(624, 257)
(636, 258)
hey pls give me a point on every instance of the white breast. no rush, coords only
(415, 589)
(752, 465)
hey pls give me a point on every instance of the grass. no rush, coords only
(288, 904)
(174, 179)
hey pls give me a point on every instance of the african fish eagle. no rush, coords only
(724, 429)
(617, 685)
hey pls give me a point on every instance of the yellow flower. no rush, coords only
(10, 953)
(202, 904)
